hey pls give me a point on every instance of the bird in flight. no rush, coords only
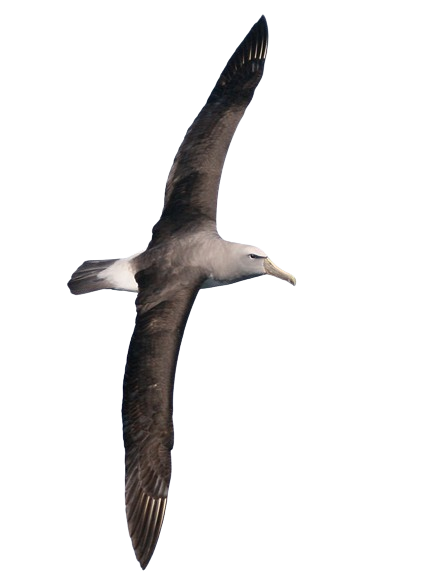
(184, 255)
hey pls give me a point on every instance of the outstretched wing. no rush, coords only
(192, 185)
(148, 406)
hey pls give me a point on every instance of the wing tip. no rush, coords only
(262, 22)
(245, 67)
(145, 528)
(254, 46)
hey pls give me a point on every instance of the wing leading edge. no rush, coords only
(192, 186)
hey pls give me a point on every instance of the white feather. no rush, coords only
(120, 275)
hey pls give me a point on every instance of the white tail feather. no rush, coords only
(93, 275)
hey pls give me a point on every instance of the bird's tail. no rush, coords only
(93, 275)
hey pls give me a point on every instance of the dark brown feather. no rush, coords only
(192, 186)
(148, 404)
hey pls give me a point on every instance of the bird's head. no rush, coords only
(252, 261)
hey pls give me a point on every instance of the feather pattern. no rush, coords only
(148, 405)
(167, 292)
(192, 186)
(185, 254)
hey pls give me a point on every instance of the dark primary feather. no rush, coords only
(148, 403)
(165, 298)
(192, 186)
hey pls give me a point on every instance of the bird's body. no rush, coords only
(185, 255)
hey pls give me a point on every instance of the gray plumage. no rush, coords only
(185, 254)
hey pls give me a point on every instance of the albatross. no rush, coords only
(185, 254)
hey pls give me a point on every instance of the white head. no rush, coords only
(236, 262)
(248, 260)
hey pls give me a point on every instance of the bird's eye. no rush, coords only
(253, 256)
